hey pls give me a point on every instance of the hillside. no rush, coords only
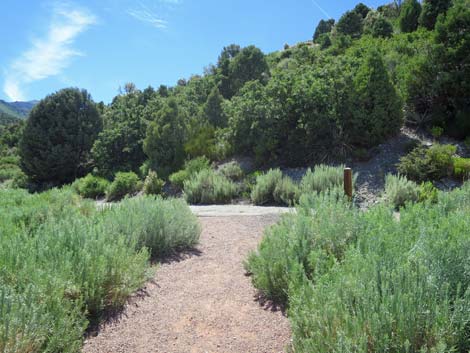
(11, 112)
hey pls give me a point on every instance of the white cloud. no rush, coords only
(147, 12)
(50, 55)
(145, 15)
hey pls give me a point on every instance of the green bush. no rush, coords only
(462, 167)
(209, 187)
(91, 186)
(263, 191)
(152, 184)
(428, 192)
(286, 192)
(123, 184)
(191, 168)
(365, 282)
(64, 262)
(323, 178)
(314, 239)
(232, 171)
(423, 164)
(399, 190)
(161, 226)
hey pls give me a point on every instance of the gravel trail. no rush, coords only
(202, 301)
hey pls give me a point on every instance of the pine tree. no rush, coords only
(351, 24)
(213, 111)
(378, 111)
(164, 142)
(56, 143)
(431, 10)
(324, 26)
(409, 16)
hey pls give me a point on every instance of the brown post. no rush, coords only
(348, 185)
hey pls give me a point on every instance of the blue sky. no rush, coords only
(102, 44)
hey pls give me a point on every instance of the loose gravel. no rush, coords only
(201, 301)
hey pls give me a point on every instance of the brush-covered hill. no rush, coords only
(14, 111)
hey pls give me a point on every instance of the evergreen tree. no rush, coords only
(378, 108)
(409, 16)
(324, 26)
(164, 142)
(56, 143)
(223, 66)
(431, 10)
(453, 39)
(119, 145)
(362, 10)
(377, 25)
(213, 111)
(249, 65)
(351, 24)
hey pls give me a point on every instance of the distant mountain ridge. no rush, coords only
(19, 110)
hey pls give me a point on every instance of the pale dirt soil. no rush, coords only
(202, 302)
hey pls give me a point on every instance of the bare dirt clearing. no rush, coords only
(202, 302)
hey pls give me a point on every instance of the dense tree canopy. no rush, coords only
(431, 10)
(119, 145)
(351, 24)
(377, 25)
(164, 141)
(409, 16)
(324, 26)
(56, 143)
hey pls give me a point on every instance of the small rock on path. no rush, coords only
(202, 302)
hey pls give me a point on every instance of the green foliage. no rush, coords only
(164, 142)
(323, 27)
(124, 183)
(209, 187)
(437, 131)
(428, 192)
(438, 84)
(286, 193)
(323, 178)
(372, 123)
(409, 16)
(362, 10)
(91, 187)
(431, 10)
(152, 184)
(324, 41)
(453, 39)
(423, 164)
(64, 262)
(249, 65)
(350, 24)
(311, 241)
(202, 141)
(212, 110)
(232, 171)
(161, 226)
(399, 190)
(461, 167)
(119, 145)
(191, 168)
(263, 191)
(365, 282)
(249, 121)
(58, 136)
(377, 25)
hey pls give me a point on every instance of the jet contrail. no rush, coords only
(321, 9)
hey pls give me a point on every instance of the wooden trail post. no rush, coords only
(348, 185)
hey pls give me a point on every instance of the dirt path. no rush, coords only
(203, 302)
